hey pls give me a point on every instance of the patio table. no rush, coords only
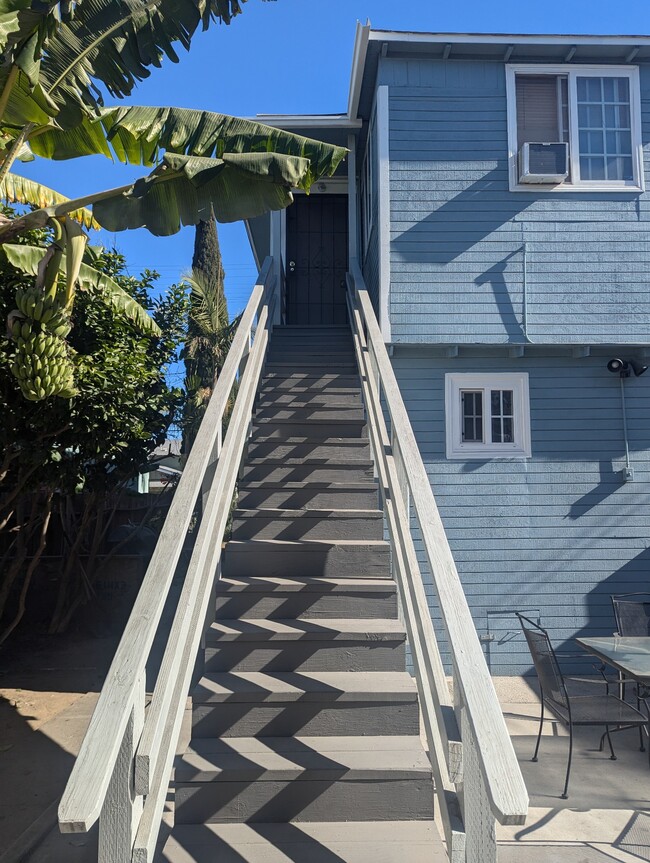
(629, 655)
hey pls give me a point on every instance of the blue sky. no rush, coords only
(294, 56)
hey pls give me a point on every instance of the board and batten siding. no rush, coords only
(554, 535)
(458, 233)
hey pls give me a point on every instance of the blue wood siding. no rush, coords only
(458, 233)
(554, 535)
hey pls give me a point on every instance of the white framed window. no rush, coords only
(594, 110)
(487, 415)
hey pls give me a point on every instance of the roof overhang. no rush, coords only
(371, 45)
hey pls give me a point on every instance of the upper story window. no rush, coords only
(487, 415)
(574, 128)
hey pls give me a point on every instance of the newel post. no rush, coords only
(122, 809)
(480, 824)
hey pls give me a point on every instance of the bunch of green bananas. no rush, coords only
(42, 367)
(45, 309)
(42, 364)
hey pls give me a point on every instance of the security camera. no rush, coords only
(618, 367)
(622, 367)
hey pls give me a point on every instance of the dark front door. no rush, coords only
(317, 259)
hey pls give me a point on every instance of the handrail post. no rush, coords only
(480, 823)
(122, 809)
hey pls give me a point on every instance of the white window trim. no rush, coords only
(572, 71)
(515, 381)
(370, 182)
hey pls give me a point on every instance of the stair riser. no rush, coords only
(281, 337)
(300, 499)
(308, 526)
(309, 800)
(297, 563)
(311, 415)
(313, 370)
(311, 357)
(311, 656)
(306, 606)
(281, 398)
(333, 451)
(304, 718)
(331, 382)
(337, 474)
(311, 430)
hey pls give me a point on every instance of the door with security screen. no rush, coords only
(316, 260)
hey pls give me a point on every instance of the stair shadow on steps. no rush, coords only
(235, 793)
(283, 720)
(240, 605)
(296, 845)
(249, 646)
(308, 849)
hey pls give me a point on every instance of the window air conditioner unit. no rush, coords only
(543, 163)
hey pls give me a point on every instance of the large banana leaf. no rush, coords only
(137, 135)
(27, 258)
(20, 190)
(64, 50)
(185, 189)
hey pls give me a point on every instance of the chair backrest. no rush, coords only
(632, 613)
(545, 661)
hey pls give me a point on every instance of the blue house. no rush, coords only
(494, 198)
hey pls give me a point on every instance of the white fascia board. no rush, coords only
(249, 234)
(307, 121)
(361, 38)
(504, 38)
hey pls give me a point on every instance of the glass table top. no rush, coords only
(631, 655)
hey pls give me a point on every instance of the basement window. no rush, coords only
(487, 415)
(574, 128)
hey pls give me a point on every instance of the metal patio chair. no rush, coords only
(598, 709)
(632, 616)
(632, 613)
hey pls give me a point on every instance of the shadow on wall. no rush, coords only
(599, 614)
(461, 210)
(609, 482)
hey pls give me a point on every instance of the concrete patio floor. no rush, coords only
(605, 820)
(607, 815)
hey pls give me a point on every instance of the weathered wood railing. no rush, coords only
(122, 771)
(475, 769)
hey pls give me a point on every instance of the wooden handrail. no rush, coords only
(479, 712)
(93, 774)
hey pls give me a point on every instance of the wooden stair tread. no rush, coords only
(241, 759)
(290, 686)
(320, 842)
(269, 584)
(322, 629)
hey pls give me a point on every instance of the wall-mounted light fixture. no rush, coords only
(623, 367)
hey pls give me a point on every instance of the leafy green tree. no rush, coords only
(93, 443)
(209, 331)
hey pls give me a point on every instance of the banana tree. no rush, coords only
(57, 55)
(44, 363)
(57, 52)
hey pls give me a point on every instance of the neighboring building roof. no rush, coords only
(172, 446)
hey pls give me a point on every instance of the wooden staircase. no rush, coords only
(305, 730)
